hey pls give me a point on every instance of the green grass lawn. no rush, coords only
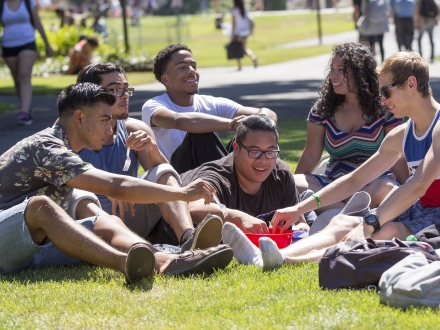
(240, 297)
(206, 42)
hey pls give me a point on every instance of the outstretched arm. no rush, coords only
(406, 195)
(139, 191)
(388, 154)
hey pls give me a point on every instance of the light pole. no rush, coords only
(124, 21)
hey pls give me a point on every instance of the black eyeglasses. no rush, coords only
(255, 154)
(119, 92)
(385, 91)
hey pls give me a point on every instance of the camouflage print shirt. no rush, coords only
(41, 164)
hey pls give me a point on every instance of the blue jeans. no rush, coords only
(17, 249)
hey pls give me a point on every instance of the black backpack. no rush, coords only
(428, 8)
(28, 7)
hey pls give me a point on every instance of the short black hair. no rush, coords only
(163, 57)
(255, 123)
(92, 73)
(80, 96)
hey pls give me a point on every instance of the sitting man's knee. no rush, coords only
(160, 173)
(392, 229)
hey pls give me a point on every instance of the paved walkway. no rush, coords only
(288, 88)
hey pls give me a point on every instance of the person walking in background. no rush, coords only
(403, 13)
(374, 23)
(350, 123)
(20, 19)
(426, 16)
(241, 30)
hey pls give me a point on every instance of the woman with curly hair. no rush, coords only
(350, 123)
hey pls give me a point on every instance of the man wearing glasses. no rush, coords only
(133, 143)
(405, 90)
(184, 122)
(250, 181)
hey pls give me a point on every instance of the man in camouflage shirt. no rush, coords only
(37, 179)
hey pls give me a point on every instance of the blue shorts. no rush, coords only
(17, 249)
(418, 217)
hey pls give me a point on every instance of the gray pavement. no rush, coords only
(288, 88)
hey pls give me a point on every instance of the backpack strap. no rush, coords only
(28, 6)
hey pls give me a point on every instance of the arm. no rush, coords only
(193, 122)
(39, 27)
(313, 150)
(388, 154)
(139, 191)
(141, 139)
(400, 169)
(246, 111)
(406, 195)
(244, 221)
(233, 27)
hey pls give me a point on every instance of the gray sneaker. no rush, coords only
(207, 234)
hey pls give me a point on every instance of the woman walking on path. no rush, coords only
(374, 23)
(20, 19)
(241, 29)
(350, 123)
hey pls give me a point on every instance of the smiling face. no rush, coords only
(180, 77)
(251, 172)
(396, 102)
(117, 80)
(337, 77)
(96, 126)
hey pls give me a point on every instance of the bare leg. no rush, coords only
(378, 190)
(26, 60)
(336, 230)
(393, 229)
(12, 63)
(176, 214)
(45, 218)
(315, 255)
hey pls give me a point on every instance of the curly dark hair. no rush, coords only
(163, 57)
(358, 59)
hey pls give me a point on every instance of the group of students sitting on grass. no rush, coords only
(85, 167)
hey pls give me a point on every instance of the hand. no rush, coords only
(234, 122)
(360, 232)
(284, 218)
(197, 190)
(122, 206)
(247, 223)
(301, 226)
(140, 140)
(49, 51)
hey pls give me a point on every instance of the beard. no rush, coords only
(121, 116)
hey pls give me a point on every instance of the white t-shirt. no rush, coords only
(169, 139)
(242, 28)
(18, 29)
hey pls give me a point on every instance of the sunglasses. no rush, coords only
(385, 91)
(120, 92)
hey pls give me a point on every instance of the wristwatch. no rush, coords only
(372, 221)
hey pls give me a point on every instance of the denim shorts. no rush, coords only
(418, 217)
(17, 249)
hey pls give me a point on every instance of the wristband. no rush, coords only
(318, 201)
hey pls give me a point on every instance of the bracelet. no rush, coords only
(318, 201)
